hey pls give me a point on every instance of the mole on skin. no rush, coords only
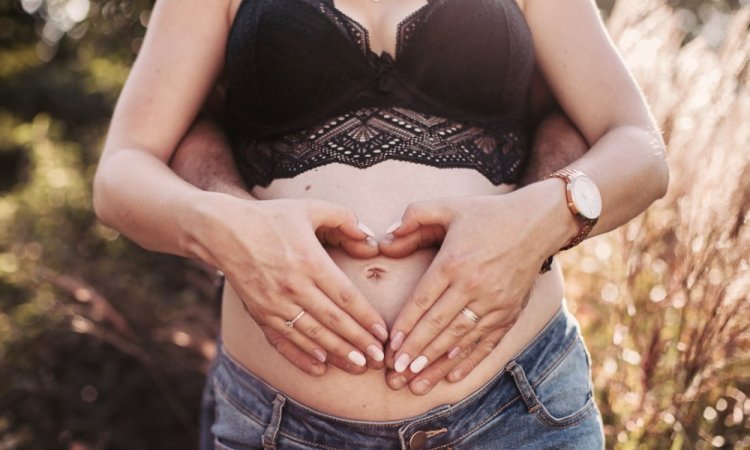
(307, 188)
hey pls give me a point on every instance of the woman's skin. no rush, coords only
(494, 238)
(203, 158)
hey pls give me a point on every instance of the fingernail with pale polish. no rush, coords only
(418, 364)
(375, 353)
(319, 355)
(453, 353)
(365, 229)
(397, 340)
(457, 375)
(422, 386)
(388, 239)
(380, 332)
(357, 358)
(371, 241)
(402, 362)
(393, 227)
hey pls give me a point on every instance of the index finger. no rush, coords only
(340, 289)
(429, 288)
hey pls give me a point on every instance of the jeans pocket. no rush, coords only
(563, 396)
(234, 428)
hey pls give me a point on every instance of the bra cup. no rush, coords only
(289, 66)
(473, 58)
(302, 61)
(522, 52)
(292, 65)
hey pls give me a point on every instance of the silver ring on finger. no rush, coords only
(290, 323)
(469, 314)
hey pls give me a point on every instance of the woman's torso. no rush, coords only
(379, 193)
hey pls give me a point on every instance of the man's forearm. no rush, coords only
(556, 143)
(204, 160)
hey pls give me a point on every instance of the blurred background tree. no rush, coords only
(81, 323)
(104, 345)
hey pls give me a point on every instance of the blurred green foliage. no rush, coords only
(102, 344)
(82, 324)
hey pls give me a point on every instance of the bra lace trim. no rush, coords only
(356, 32)
(371, 135)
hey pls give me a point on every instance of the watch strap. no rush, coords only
(586, 224)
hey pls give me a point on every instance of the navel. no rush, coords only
(374, 272)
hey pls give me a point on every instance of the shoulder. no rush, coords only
(192, 12)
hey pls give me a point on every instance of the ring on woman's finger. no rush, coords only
(469, 314)
(290, 323)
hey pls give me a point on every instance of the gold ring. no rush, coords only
(469, 314)
(290, 323)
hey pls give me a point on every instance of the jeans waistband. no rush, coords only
(260, 400)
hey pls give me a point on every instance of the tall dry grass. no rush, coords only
(665, 300)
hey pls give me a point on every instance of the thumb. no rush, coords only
(423, 237)
(324, 214)
(354, 247)
(423, 213)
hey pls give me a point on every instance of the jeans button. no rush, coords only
(417, 440)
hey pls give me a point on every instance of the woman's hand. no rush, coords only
(270, 254)
(354, 247)
(450, 367)
(492, 251)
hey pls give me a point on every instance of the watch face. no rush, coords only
(586, 197)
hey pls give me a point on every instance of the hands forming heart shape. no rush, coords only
(491, 248)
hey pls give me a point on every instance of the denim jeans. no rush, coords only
(542, 399)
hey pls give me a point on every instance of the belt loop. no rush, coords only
(524, 387)
(269, 436)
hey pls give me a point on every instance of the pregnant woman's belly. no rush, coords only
(379, 194)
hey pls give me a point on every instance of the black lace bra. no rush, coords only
(305, 89)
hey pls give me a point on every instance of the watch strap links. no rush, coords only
(586, 224)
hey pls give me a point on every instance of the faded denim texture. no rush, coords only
(543, 399)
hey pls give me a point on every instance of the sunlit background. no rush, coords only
(104, 345)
